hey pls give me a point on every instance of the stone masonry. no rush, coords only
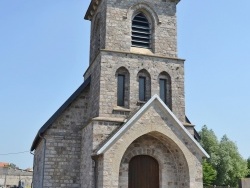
(173, 145)
(62, 160)
(115, 51)
(175, 161)
(90, 140)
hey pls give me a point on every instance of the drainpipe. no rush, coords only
(32, 168)
(44, 149)
(95, 159)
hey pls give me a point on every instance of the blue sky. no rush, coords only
(44, 51)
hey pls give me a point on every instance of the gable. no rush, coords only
(59, 112)
(156, 117)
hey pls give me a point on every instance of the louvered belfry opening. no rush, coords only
(141, 32)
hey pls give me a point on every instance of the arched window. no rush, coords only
(165, 89)
(123, 84)
(120, 90)
(141, 31)
(144, 85)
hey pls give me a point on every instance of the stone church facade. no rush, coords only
(125, 126)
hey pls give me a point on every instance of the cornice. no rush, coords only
(92, 9)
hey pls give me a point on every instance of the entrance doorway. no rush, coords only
(143, 172)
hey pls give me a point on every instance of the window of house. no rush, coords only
(142, 88)
(141, 31)
(120, 89)
(123, 87)
(144, 85)
(165, 89)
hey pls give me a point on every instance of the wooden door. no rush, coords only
(143, 172)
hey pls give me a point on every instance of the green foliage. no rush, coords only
(211, 144)
(11, 165)
(248, 166)
(248, 162)
(224, 159)
(232, 166)
(209, 173)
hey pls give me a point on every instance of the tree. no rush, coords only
(224, 159)
(209, 173)
(210, 143)
(248, 165)
(231, 166)
(12, 165)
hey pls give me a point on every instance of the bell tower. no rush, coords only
(133, 55)
(127, 119)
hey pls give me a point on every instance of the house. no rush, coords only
(10, 177)
(125, 126)
(3, 164)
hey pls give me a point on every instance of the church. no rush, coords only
(125, 126)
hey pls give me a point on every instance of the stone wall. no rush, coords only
(63, 147)
(172, 164)
(163, 23)
(87, 163)
(38, 165)
(113, 19)
(245, 183)
(93, 135)
(134, 63)
(98, 31)
(156, 123)
(94, 71)
(89, 121)
(102, 130)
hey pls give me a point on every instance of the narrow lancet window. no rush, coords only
(163, 89)
(141, 31)
(144, 85)
(142, 88)
(120, 90)
(123, 85)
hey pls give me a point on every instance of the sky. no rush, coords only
(44, 51)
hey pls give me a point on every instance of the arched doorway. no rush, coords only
(143, 172)
(173, 169)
